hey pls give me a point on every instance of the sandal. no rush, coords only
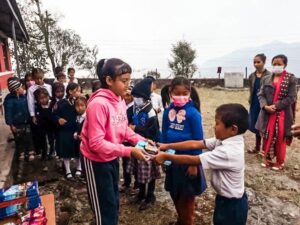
(266, 164)
(277, 167)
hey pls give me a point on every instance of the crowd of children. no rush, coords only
(46, 118)
(119, 115)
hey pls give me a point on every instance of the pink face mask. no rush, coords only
(180, 101)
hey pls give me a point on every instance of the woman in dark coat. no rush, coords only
(254, 84)
(277, 98)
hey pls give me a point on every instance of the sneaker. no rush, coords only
(31, 157)
(266, 163)
(21, 157)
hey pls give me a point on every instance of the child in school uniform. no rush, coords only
(45, 123)
(182, 121)
(67, 127)
(17, 118)
(145, 123)
(226, 160)
(38, 78)
(58, 92)
(128, 98)
(80, 106)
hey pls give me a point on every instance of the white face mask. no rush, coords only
(277, 69)
(138, 101)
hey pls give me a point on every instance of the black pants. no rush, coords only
(231, 211)
(44, 137)
(102, 183)
(150, 191)
(23, 139)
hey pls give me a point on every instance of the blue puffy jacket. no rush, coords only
(16, 110)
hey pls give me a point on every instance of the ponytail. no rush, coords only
(195, 98)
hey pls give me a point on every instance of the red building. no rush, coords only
(11, 27)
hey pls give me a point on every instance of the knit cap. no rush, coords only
(13, 85)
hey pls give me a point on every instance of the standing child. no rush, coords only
(58, 92)
(277, 98)
(181, 122)
(18, 118)
(104, 130)
(67, 127)
(128, 98)
(45, 122)
(225, 159)
(145, 123)
(38, 78)
(80, 106)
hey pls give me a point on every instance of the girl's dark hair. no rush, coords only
(70, 69)
(57, 87)
(195, 98)
(165, 96)
(39, 92)
(81, 98)
(36, 71)
(262, 57)
(111, 68)
(28, 74)
(281, 56)
(60, 74)
(71, 87)
(186, 82)
(96, 85)
(234, 114)
(57, 70)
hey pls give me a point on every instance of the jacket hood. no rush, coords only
(105, 93)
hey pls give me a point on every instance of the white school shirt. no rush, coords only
(227, 162)
(30, 96)
(156, 101)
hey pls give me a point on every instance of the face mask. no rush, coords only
(138, 101)
(277, 69)
(180, 101)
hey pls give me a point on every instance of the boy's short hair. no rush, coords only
(234, 114)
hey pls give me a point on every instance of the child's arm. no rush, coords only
(185, 145)
(30, 102)
(177, 159)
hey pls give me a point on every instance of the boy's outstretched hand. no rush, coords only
(162, 147)
(140, 154)
(160, 158)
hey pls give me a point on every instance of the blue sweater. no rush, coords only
(16, 110)
(182, 124)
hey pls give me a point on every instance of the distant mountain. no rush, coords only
(239, 59)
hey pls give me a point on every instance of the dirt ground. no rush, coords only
(274, 197)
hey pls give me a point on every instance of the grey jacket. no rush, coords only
(265, 97)
(252, 78)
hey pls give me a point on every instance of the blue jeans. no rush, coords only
(231, 211)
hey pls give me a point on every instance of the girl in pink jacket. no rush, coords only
(104, 130)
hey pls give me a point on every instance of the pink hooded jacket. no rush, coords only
(106, 127)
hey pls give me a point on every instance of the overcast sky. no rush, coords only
(142, 32)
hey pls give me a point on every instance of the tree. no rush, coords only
(51, 45)
(153, 73)
(183, 58)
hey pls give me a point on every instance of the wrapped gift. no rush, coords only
(21, 197)
(35, 216)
